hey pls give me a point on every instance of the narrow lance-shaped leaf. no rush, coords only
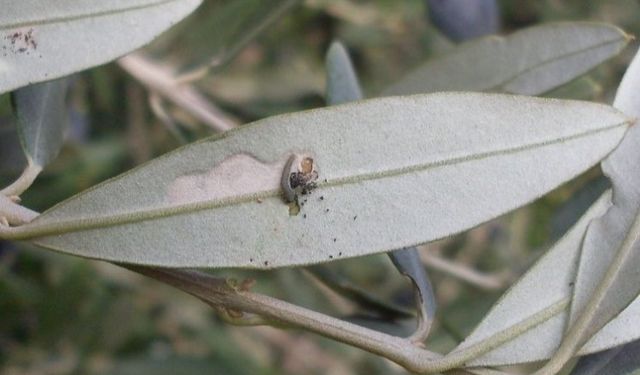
(42, 119)
(342, 82)
(43, 40)
(408, 263)
(41, 112)
(463, 157)
(525, 62)
(544, 290)
(607, 281)
(343, 86)
(541, 343)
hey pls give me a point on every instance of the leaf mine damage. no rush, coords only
(239, 174)
(243, 174)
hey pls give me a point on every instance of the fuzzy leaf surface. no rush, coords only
(429, 166)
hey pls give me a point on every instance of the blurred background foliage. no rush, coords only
(64, 315)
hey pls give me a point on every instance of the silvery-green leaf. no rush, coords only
(601, 241)
(342, 82)
(622, 360)
(408, 263)
(463, 158)
(42, 119)
(531, 61)
(540, 296)
(462, 19)
(611, 248)
(42, 40)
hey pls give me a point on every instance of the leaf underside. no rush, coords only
(469, 157)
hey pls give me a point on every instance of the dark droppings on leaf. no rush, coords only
(335, 239)
(355, 217)
(304, 178)
(298, 178)
(340, 254)
(330, 256)
(266, 263)
(20, 41)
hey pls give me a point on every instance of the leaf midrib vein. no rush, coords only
(521, 73)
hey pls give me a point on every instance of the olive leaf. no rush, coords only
(607, 280)
(610, 231)
(41, 40)
(408, 263)
(588, 258)
(342, 82)
(531, 61)
(463, 158)
(42, 119)
(527, 323)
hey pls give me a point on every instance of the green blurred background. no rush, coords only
(64, 315)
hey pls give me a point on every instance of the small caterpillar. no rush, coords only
(298, 177)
